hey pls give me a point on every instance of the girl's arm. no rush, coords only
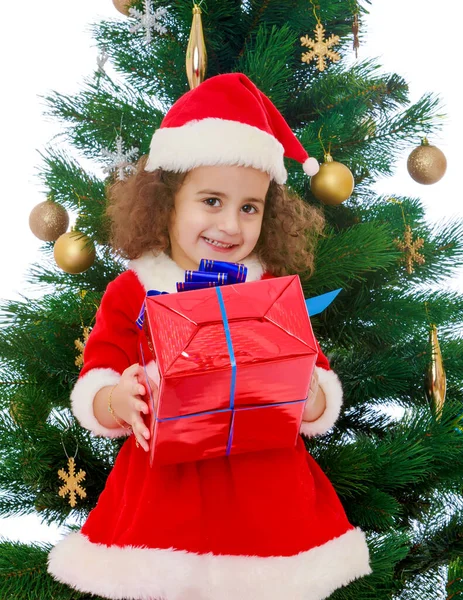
(123, 404)
(110, 350)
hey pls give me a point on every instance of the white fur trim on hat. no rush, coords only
(330, 384)
(213, 142)
(82, 400)
(144, 573)
(160, 272)
(311, 166)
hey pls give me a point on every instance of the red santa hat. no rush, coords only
(226, 120)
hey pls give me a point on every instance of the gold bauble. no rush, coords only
(333, 183)
(426, 164)
(123, 6)
(436, 380)
(196, 55)
(74, 252)
(48, 220)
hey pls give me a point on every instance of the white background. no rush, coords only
(48, 47)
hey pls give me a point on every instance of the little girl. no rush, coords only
(265, 525)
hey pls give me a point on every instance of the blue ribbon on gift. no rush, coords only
(231, 354)
(141, 315)
(318, 304)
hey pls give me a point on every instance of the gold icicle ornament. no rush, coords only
(355, 31)
(436, 381)
(196, 55)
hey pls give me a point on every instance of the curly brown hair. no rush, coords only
(140, 209)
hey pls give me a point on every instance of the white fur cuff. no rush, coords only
(330, 384)
(82, 400)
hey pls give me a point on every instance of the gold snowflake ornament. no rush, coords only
(410, 249)
(320, 48)
(80, 345)
(72, 483)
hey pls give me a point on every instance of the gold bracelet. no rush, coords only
(111, 410)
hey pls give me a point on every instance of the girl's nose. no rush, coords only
(230, 223)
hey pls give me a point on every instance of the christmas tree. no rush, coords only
(395, 455)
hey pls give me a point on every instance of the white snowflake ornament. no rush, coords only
(101, 60)
(148, 20)
(121, 160)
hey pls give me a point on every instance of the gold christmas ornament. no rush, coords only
(410, 248)
(48, 220)
(333, 183)
(196, 55)
(72, 483)
(74, 252)
(426, 163)
(436, 381)
(320, 48)
(123, 6)
(80, 345)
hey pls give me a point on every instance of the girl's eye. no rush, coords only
(211, 202)
(249, 209)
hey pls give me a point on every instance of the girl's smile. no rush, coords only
(218, 211)
(218, 246)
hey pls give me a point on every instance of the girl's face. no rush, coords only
(217, 215)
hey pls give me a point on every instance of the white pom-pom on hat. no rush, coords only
(311, 166)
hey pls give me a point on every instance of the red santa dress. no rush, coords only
(260, 526)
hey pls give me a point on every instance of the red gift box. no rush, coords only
(235, 366)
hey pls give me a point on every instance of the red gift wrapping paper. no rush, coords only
(207, 407)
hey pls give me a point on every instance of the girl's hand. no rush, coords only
(129, 401)
(315, 404)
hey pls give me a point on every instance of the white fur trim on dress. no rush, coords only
(330, 384)
(213, 141)
(82, 400)
(145, 574)
(160, 272)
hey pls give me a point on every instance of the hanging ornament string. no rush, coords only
(408, 245)
(319, 48)
(71, 480)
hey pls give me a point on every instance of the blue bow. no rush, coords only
(213, 273)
